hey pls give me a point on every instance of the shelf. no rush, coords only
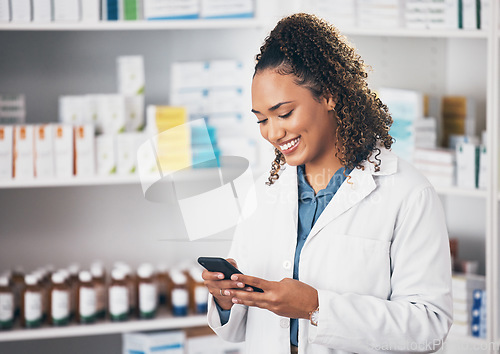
(163, 322)
(461, 192)
(415, 33)
(133, 25)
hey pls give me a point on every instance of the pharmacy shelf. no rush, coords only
(414, 33)
(133, 25)
(461, 192)
(162, 322)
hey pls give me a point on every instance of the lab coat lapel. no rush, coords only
(288, 204)
(350, 193)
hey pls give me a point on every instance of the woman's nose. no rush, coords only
(275, 131)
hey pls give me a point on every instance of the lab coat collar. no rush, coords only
(359, 185)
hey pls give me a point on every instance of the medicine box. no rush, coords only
(131, 78)
(127, 145)
(42, 10)
(84, 150)
(6, 151)
(4, 11)
(111, 111)
(72, 109)
(91, 10)
(67, 10)
(105, 154)
(63, 136)
(134, 113)
(227, 8)
(23, 152)
(467, 164)
(21, 10)
(44, 151)
(171, 9)
(169, 342)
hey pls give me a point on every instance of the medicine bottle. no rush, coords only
(198, 291)
(7, 305)
(179, 295)
(162, 280)
(31, 303)
(41, 278)
(59, 300)
(73, 281)
(18, 286)
(97, 272)
(131, 285)
(86, 298)
(147, 291)
(118, 296)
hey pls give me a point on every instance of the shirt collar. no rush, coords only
(306, 192)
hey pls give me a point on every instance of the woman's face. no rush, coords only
(302, 128)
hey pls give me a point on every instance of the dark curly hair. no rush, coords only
(324, 62)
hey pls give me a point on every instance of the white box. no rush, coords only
(67, 10)
(90, 111)
(42, 10)
(23, 152)
(21, 10)
(134, 113)
(44, 151)
(469, 14)
(131, 78)
(171, 9)
(483, 168)
(4, 11)
(189, 75)
(84, 150)
(127, 145)
(112, 117)
(63, 150)
(212, 344)
(105, 155)
(72, 109)
(227, 8)
(467, 164)
(91, 10)
(225, 74)
(6, 151)
(171, 342)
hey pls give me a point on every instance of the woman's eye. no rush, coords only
(286, 115)
(262, 121)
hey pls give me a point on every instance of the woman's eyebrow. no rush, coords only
(273, 108)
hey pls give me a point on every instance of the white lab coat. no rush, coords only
(378, 256)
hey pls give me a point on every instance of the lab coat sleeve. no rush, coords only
(418, 314)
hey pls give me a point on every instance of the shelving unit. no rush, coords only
(162, 322)
(126, 190)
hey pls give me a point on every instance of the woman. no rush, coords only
(348, 242)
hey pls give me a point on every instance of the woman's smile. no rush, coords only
(289, 146)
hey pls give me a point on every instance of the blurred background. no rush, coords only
(84, 83)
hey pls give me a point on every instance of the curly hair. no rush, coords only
(324, 62)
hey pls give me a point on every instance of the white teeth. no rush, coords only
(289, 145)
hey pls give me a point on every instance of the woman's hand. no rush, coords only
(217, 286)
(288, 297)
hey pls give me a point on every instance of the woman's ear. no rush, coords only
(331, 102)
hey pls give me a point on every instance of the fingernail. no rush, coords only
(234, 300)
(221, 276)
(241, 285)
(234, 277)
(226, 292)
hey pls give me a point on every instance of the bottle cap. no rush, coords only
(58, 278)
(178, 277)
(118, 274)
(145, 270)
(64, 273)
(96, 270)
(73, 269)
(4, 281)
(84, 276)
(30, 279)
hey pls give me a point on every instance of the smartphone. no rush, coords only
(217, 264)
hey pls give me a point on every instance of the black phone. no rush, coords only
(217, 264)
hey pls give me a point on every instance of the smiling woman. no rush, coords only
(348, 241)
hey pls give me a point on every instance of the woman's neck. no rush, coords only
(318, 175)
